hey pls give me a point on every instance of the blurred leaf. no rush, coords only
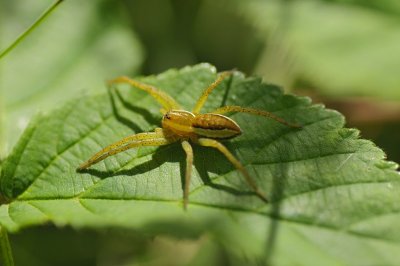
(340, 49)
(226, 39)
(391, 7)
(333, 198)
(76, 49)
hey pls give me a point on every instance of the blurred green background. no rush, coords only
(344, 54)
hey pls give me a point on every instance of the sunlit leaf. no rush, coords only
(333, 197)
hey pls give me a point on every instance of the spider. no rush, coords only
(187, 127)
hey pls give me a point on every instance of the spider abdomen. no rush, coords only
(215, 126)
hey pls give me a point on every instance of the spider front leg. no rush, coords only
(252, 111)
(220, 147)
(156, 138)
(206, 93)
(166, 101)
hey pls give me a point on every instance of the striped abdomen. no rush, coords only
(215, 126)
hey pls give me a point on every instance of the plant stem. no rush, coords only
(31, 28)
(6, 257)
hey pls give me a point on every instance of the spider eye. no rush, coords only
(167, 116)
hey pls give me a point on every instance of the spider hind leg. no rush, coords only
(206, 92)
(252, 111)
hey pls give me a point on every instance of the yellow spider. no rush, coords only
(187, 127)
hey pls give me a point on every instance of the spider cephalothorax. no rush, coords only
(187, 127)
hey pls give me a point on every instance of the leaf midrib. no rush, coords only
(225, 208)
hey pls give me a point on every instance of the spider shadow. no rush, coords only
(205, 164)
(227, 91)
(135, 109)
(161, 155)
(128, 123)
(279, 180)
(279, 173)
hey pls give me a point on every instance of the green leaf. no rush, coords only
(333, 197)
(77, 48)
(341, 49)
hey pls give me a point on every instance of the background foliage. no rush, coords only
(343, 53)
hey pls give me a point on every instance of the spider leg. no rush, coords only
(188, 172)
(156, 138)
(220, 147)
(204, 96)
(227, 109)
(166, 101)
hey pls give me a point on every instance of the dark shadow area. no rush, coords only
(221, 167)
(127, 122)
(41, 246)
(84, 247)
(278, 187)
(162, 155)
(227, 90)
(143, 112)
(190, 32)
(76, 247)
